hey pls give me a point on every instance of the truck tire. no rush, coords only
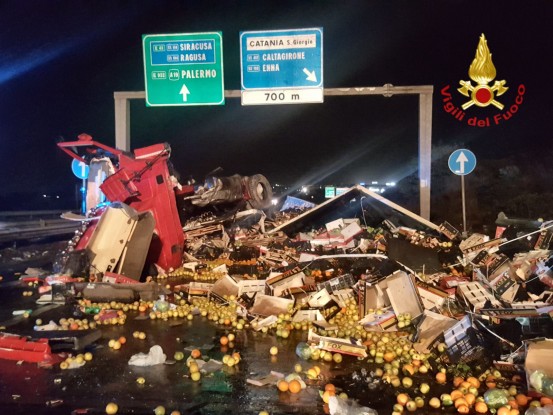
(260, 192)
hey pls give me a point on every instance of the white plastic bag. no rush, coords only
(154, 357)
(339, 406)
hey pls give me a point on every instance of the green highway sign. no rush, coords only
(183, 69)
(330, 192)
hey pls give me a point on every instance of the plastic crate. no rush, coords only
(464, 343)
(532, 327)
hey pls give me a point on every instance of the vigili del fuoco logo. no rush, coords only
(481, 94)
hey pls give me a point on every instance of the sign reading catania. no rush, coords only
(481, 94)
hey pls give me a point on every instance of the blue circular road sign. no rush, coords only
(462, 162)
(80, 169)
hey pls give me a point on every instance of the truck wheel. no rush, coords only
(260, 191)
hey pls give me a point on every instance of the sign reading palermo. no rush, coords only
(282, 66)
(183, 69)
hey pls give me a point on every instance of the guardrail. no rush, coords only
(25, 225)
(6, 214)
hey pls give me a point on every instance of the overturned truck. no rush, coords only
(146, 207)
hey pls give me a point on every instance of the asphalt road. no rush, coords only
(26, 388)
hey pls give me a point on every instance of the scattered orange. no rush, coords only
(441, 378)
(474, 381)
(490, 382)
(408, 369)
(196, 354)
(294, 386)
(480, 407)
(514, 411)
(389, 356)
(461, 402)
(224, 340)
(122, 340)
(544, 400)
(503, 410)
(111, 408)
(282, 385)
(465, 385)
(456, 394)
(330, 387)
(457, 380)
(402, 398)
(521, 399)
(463, 409)
(513, 403)
(470, 398)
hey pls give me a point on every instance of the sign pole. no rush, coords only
(83, 195)
(464, 206)
(462, 162)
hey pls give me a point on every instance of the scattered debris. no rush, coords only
(154, 357)
(360, 275)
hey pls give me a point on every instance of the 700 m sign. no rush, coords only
(281, 96)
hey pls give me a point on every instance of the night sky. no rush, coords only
(61, 61)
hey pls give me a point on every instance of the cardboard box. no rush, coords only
(544, 239)
(403, 294)
(431, 327)
(271, 379)
(431, 297)
(350, 231)
(200, 289)
(319, 299)
(372, 297)
(266, 305)
(449, 230)
(277, 283)
(225, 286)
(538, 357)
(264, 322)
(250, 287)
(476, 295)
(335, 224)
(504, 286)
(337, 345)
(337, 283)
(379, 322)
(315, 316)
(341, 297)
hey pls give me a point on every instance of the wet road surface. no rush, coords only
(26, 388)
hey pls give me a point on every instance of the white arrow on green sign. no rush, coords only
(184, 69)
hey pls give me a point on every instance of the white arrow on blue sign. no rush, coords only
(80, 169)
(462, 162)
